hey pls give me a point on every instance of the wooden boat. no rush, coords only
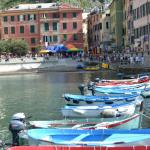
(89, 123)
(72, 122)
(122, 85)
(122, 91)
(91, 68)
(145, 93)
(100, 137)
(83, 147)
(110, 110)
(108, 99)
(127, 122)
(142, 79)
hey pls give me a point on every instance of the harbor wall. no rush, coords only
(38, 64)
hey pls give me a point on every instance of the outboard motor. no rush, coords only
(82, 88)
(97, 80)
(16, 125)
(91, 87)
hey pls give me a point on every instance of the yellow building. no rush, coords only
(116, 19)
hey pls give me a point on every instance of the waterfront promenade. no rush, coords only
(53, 63)
(136, 66)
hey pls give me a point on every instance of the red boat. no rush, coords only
(143, 79)
(56, 147)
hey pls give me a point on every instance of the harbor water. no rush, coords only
(40, 95)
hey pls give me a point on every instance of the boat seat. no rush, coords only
(78, 111)
(80, 137)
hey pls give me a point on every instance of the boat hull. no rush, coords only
(98, 111)
(121, 91)
(127, 122)
(60, 147)
(101, 99)
(146, 93)
(142, 79)
(108, 137)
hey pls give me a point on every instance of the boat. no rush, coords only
(123, 85)
(91, 68)
(140, 79)
(89, 137)
(120, 122)
(127, 122)
(103, 110)
(121, 91)
(92, 99)
(83, 147)
(145, 93)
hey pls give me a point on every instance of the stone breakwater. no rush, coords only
(38, 64)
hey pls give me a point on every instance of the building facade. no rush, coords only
(85, 35)
(125, 23)
(130, 27)
(105, 32)
(43, 24)
(141, 16)
(94, 27)
(116, 19)
(99, 31)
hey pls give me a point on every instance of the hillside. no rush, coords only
(4, 4)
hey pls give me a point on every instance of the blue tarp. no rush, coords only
(56, 48)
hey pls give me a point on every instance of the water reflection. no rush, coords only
(40, 95)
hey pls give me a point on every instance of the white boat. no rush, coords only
(145, 93)
(127, 122)
(141, 79)
(111, 110)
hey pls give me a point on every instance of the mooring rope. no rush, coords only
(145, 116)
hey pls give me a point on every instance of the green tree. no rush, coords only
(18, 47)
(4, 46)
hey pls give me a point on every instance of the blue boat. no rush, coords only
(101, 137)
(121, 91)
(91, 99)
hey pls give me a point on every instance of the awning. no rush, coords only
(60, 48)
(69, 46)
(72, 48)
(56, 48)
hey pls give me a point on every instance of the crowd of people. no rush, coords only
(118, 58)
(109, 58)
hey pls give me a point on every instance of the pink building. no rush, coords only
(43, 24)
(141, 14)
